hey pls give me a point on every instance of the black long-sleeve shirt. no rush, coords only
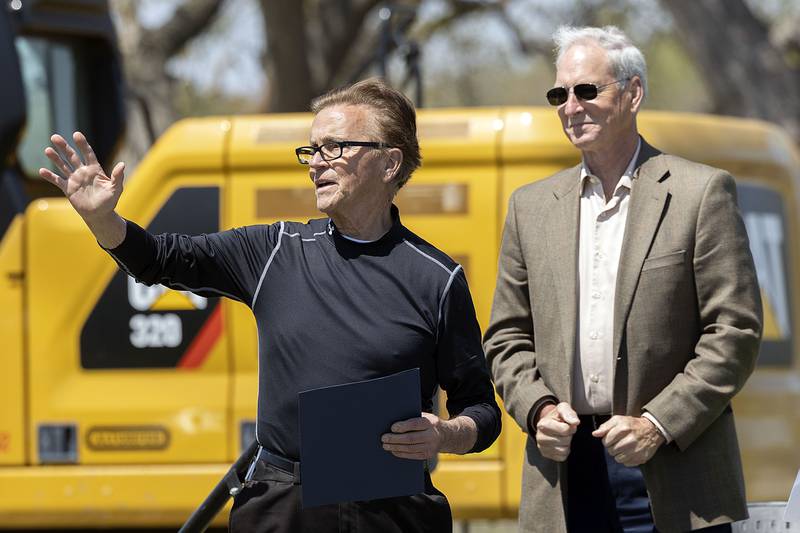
(330, 311)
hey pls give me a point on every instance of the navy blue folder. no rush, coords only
(341, 455)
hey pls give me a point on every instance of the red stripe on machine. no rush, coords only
(201, 346)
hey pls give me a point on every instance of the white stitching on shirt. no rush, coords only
(209, 289)
(444, 295)
(304, 240)
(266, 267)
(429, 257)
(173, 284)
(446, 288)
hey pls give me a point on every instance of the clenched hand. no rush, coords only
(554, 430)
(630, 440)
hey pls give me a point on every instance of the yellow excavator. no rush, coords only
(123, 405)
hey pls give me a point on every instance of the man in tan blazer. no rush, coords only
(626, 316)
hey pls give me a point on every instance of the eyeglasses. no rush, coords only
(331, 150)
(583, 91)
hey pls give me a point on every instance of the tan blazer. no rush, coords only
(687, 326)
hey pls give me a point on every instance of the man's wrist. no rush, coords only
(109, 229)
(661, 430)
(536, 412)
(543, 411)
(457, 435)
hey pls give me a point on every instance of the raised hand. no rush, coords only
(91, 192)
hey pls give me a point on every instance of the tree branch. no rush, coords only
(349, 22)
(188, 21)
(746, 75)
(785, 34)
(286, 57)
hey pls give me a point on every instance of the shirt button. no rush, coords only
(595, 378)
(593, 335)
(598, 255)
(596, 295)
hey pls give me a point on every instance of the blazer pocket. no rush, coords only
(672, 258)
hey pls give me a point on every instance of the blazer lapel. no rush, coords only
(563, 249)
(649, 199)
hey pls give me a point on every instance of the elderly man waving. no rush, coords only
(345, 298)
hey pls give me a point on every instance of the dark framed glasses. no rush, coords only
(582, 91)
(331, 150)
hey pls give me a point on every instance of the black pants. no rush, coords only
(273, 506)
(604, 496)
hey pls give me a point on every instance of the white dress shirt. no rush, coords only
(602, 227)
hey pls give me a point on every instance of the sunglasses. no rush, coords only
(582, 91)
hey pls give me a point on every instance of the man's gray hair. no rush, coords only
(625, 58)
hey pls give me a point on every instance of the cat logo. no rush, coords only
(155, 330)
(764, 216)
(138, 326)
(160, 298)
(766, 242)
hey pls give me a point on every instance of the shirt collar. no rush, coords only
(626, 180)
(393, 234)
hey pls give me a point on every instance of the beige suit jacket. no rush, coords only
(687, 326)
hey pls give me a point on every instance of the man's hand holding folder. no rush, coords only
(425, 436)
